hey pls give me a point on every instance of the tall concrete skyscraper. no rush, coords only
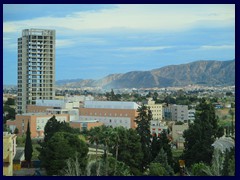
(36, 67)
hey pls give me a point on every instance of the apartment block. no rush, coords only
(175, 112)
(156, 110)
(157, 127)
(110, 113)
(36, 67)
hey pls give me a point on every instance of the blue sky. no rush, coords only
(96, 40)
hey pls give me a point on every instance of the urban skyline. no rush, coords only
(96, 40)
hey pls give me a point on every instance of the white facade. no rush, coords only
(111, 105)
(157, 127)
(64, 104)
(109, 121)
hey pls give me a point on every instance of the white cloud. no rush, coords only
(151, 48)
(142, 17)
(219, 47)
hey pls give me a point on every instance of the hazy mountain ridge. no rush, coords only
(198, 72)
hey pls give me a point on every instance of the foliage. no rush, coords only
(60, 147)
(53, 126)
(10, 113)
(143, 129)
(16, 131)
(157, 169)
(10, 101)
(112, 97)
(229, 162)
(125, 145)
(28, 145)
(163, 160)
(201, 135)
(100, 165)
(197, 169)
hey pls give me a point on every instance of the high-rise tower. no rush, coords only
(36, 67)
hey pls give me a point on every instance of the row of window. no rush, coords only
(106, 114)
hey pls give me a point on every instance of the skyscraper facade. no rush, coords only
(36, 67)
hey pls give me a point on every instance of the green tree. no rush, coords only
(201, 135)
(53, 126)
(143, 129)
(28, 150)
(121, 170)
(197, 169)
(16, 131)
(10, 101)
(126, 147)
(162, 158)
(61, 147)
(229, 162)
(165, 145)
(156, 169)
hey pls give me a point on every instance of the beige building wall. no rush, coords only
(9, 151)
(157, 112)
(35, 108)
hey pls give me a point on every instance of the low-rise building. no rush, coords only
(156, 127)
(110, 113)
(177, 135)
(37, 122)
(85, 125)
(9, 151)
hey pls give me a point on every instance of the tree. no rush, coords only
(229, 163)
(143, 129)
(16, 131)
(125, 146)
(165, 145)
(121, 170)
(156, 169)
(28, 146)
(163, 160)
(10, 101)
(201, 135)
(53, 126)
(61, 147)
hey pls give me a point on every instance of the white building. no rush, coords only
(157, 127)
(111, 113)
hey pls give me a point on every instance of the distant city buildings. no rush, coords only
(36, 67)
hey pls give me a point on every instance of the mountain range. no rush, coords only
(202, 72)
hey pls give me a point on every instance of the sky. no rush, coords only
(95, 40)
